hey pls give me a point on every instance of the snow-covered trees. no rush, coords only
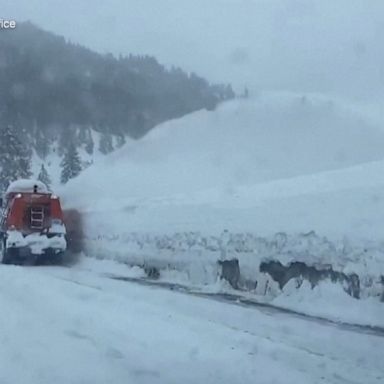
(44, 176)
(75, 88)
(89, 145)
(105, 144)
(15, 157)
(85, 139)
(120, 141)
(41, 143)
(71, 164)
(70, 96)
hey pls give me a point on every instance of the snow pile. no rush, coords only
(26, 186)
(271, 165)
(341, 308)
(38, 243)
(242, 143)
(243, 182)
(197, 256)
(326, 300)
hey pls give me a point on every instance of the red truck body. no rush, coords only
(32, 222)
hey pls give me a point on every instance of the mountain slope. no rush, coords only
(273, 180)
(54, 94)
(215, 170)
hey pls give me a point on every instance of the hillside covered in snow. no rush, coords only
(57, 97)
(273, 164)
(290, 178)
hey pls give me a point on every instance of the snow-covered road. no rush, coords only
(73, 325)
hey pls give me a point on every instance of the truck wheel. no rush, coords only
(4, 254)
(56, 258)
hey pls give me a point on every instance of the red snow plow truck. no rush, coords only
(32, 228)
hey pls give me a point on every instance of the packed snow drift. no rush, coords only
(73, 325)
(248, 181)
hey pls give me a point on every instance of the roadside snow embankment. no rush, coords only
(338, 281)
(265, 265)
(71, 325)
(241, 183)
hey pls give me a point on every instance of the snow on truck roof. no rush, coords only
(26, 186)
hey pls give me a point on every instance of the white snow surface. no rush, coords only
(250, 180)
(37, 242)
(267, 165)
(26, 185)
(243, 143)
(328, 300)
(75, 325)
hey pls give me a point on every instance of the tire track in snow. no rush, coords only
(235, 299)
(239, 300)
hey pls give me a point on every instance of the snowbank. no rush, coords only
(198, 256)
(243, 182)
(70, 325)
(326, 300)
(243, 143)
(330, 301)
(26, 185)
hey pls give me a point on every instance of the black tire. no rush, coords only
(50, 258)
(11, 255)
(5, 253)
(30, 260)
(58, 258)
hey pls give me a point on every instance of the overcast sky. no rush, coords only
(325, 46)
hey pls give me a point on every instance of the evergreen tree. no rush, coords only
(15, 157)
(120, 141)
(83, 89)
(44, 176)
(71, 164)
(82, 135)
(41, 144)
(89, 144)
(64, 137)
(67, 137)
(105, 144)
